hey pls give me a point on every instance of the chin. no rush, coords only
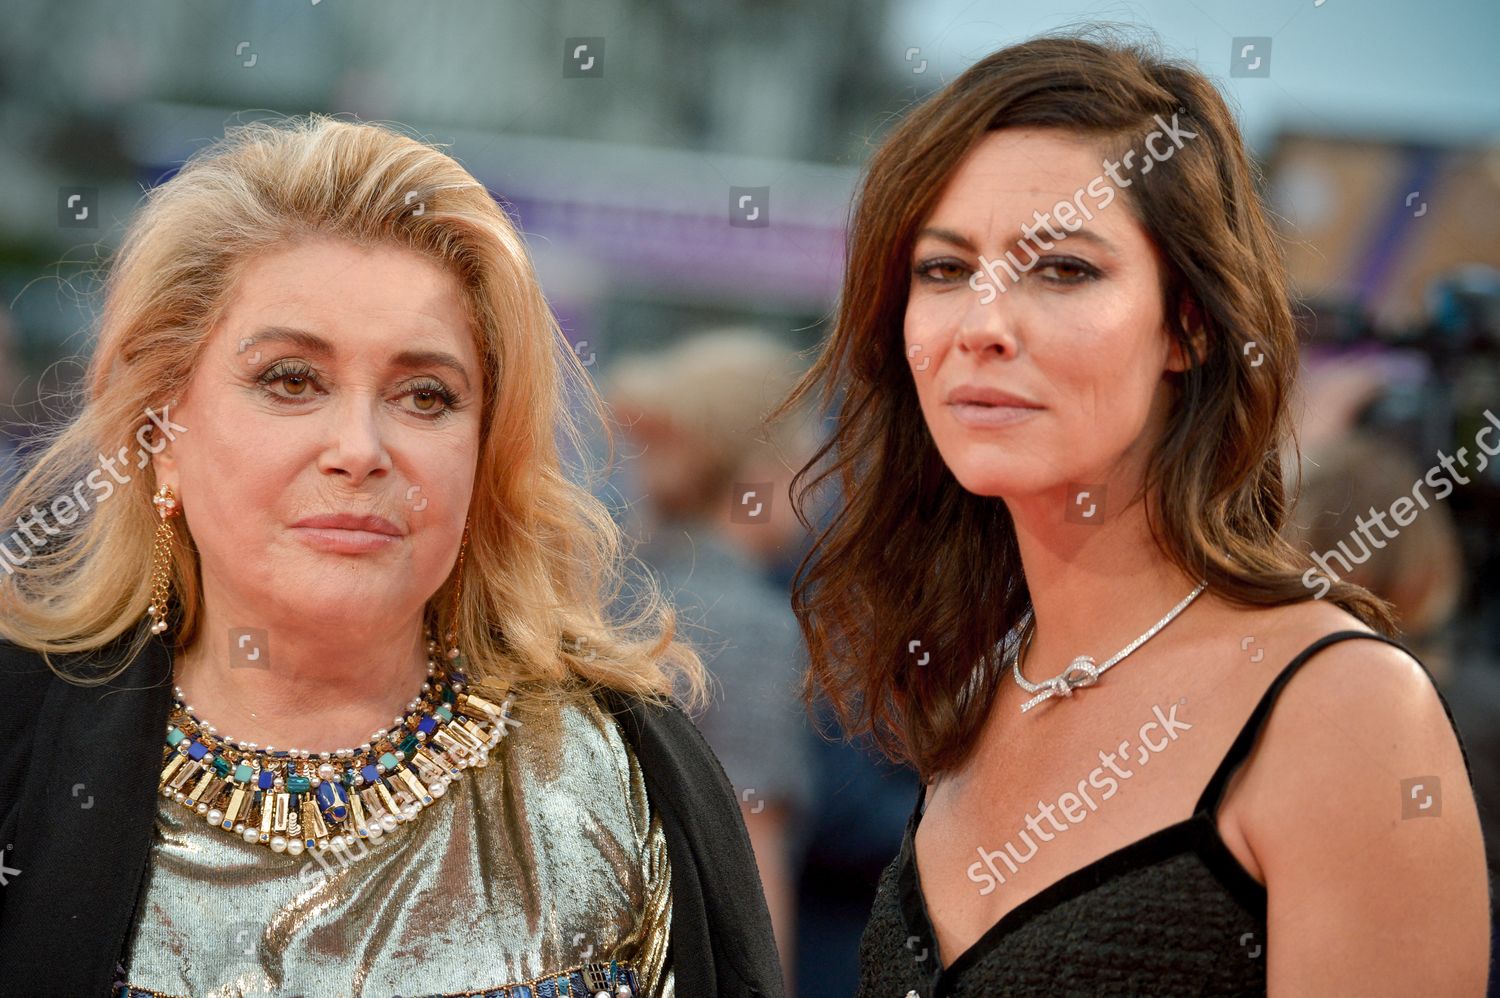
(1003, 476)
(988, 481)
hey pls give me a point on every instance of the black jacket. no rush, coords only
(78, 773)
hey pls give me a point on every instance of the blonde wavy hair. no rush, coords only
(545, 558)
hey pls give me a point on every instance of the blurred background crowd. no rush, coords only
(683, 170)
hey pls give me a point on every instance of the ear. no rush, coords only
(163, 455)
(1189, 317)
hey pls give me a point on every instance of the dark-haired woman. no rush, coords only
(1162, 752)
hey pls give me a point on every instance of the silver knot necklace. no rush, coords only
(1082, 671)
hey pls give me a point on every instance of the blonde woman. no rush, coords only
(308, 684)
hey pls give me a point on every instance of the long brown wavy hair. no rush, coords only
(910, 552)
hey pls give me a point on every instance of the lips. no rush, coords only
(990, 416)
(350, 521)
(983, 395)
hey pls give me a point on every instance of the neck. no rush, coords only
(1094, 588)
(315, 685)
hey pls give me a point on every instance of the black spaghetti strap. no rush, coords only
(1209, 800)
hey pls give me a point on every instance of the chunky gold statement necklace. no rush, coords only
(294, 800)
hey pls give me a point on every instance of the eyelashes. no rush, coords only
(288, 370)
(1085, 272)
(922, 271)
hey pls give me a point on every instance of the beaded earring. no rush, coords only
(167, 507)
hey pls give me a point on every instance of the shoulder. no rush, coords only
(684, 778)
(25, 681)
(729, 925)
(1359, 704)
(1361, 699)
(665, 740)
(577, 733)
(21, 664)
(1349, 691)
(28, 676)
(1357, 745)
(25, 678)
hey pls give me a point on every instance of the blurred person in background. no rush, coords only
(1349, 472)
(858, 816)
(712, 517)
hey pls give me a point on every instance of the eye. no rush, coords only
(432, 399)
(1082, 271)
(942, 270)
(298, 375)
(428, 394)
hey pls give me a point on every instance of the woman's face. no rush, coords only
(1075, 330)
(669, 466)
(322, 391)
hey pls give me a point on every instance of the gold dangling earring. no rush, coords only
(458, 594)
(167, 507)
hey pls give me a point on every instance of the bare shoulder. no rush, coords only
(1360, 681)
(1270, 638)
(1360, 696)
(1362, 705)
(1355, 752)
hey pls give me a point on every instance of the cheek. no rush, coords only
(929, 316)
(434, 480)
(223, 454)
(1105, 381)
(924, 344)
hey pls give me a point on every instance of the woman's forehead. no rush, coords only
(341, 298)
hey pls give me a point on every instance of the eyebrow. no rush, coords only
(318, 346)
(963, 242)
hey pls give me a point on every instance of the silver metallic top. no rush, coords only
(544, 860)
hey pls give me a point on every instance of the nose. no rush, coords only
(356, 446)
(986, 323)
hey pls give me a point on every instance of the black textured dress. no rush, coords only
(1173, 913)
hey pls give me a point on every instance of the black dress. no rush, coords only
(1173, 913)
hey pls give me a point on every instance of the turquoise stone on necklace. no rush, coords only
(258, 795)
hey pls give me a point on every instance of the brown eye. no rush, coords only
(295, 378)
(433, 400)
(1069, 271)
(943, 271)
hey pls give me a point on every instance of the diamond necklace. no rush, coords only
(293, 799)
(1082, 671)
